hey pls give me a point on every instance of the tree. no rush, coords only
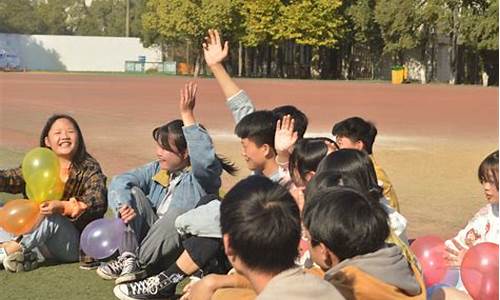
(19, 16)
(54, 16)
(176, 21)
(399, 22)
(365, 31)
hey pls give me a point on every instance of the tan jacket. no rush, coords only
(389, 192)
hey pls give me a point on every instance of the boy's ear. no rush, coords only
(268, 150)
(227, 248)
(329, 257)
(359, 145)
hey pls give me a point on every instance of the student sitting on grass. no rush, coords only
(57, 237)
(483, 227)
(356, 133)
(150, 198)
(347, 234)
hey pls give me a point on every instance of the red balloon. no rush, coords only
(479, 271)
(429, 251)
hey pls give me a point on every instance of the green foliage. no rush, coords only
(312, 22)
(261, 21)
(19, 16)
(398, 21)
(174, 21)
(479, 25)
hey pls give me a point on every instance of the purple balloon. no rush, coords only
(451, 277)
(102, 237)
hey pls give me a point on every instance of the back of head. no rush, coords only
(306, 156)
(300, 119)
(488, 170)
(356, 170)
(262, 222)
(259, 127)
(320, 182)
(81, 151)
(357, 129)
(346, 222)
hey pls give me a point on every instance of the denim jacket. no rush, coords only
(202, 178)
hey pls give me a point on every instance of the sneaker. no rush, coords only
(112, 269)
(130, 270)
(20, 261)
(160, 286)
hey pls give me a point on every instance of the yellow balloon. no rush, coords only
(41, 194)
(40, 169)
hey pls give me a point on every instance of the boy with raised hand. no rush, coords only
(347, 237)
(238, 100)
(356, 133)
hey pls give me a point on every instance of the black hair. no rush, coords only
(259, 127)
(356, 169)
(300, 119)
(306, 156)
(173, 130)
(488, 170)
(81, 151)
(357, 129)
(262, 222)
(321, 182)
(346, 222)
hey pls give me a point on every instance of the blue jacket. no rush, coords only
(203, 177)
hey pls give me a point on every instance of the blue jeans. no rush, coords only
(56, 237)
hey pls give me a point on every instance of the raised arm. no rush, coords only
(205, 165)
(238, 101)
(215, 53)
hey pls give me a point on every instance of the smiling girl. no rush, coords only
(57, 236)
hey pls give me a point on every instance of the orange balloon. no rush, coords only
(19, 216)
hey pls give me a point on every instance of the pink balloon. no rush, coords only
(429, 251)
(479, 271)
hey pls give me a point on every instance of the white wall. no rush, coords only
(76, 53)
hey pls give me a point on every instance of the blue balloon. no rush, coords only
(451, 277)
(432, 289)
(102, 237)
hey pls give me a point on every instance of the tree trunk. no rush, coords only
(197, 65)
(240, 58)
(454, 48)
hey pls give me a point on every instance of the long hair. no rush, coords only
(81, 151)
(356, 170)
(173, 131)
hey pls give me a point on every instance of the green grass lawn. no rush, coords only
(52, 282)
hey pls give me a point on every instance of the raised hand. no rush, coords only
(285, 137)
(187, 102)
(213, 50)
